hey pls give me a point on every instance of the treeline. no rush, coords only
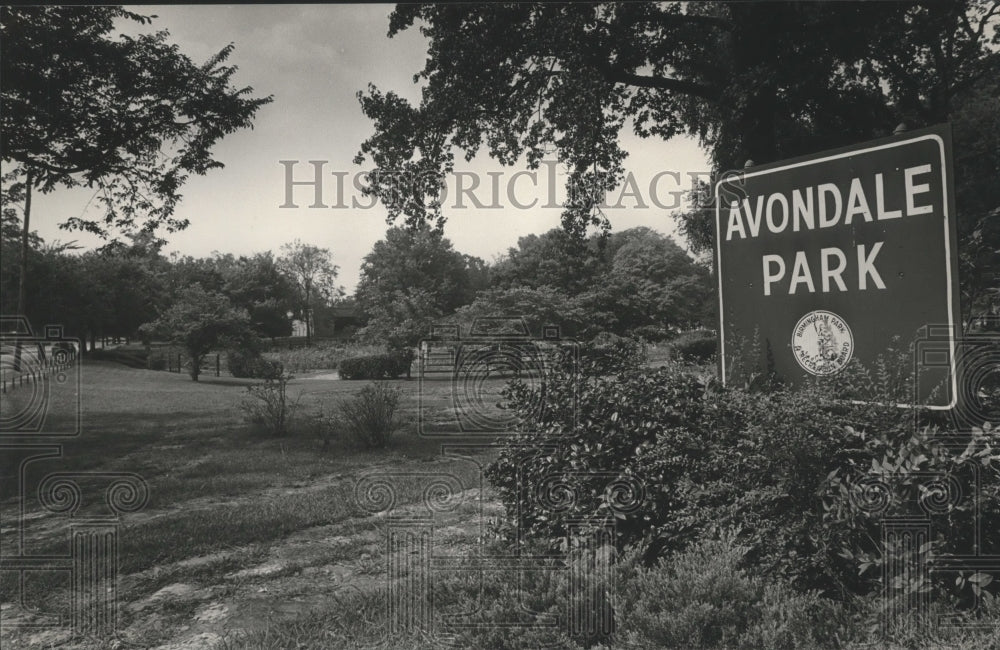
(631, 283)
(110, 293)
(635, 282)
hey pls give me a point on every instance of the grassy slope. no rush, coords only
(222, 497)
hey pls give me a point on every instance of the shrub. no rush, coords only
(378, 366)
(588, 429)
(267, 405)
(249, 364)
(691, 454)
(532, 611)
(652, 333)
(784, 465)
(952, 482)
(320, 356)
(696, 346)
(369, 416)
(704, 598)
(608, 354)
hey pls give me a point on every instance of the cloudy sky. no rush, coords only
(314, 59)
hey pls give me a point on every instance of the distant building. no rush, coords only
(344, 318)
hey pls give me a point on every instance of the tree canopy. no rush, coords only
(131, 117)
(410, 279)
(754, 81)
(201, 321)
(312, 270)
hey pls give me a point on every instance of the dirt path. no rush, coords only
(199, 601)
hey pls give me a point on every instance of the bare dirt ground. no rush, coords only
(244, 537)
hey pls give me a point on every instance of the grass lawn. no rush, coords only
(241, 530)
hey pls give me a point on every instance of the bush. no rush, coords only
(691, 454)
(608, 354)
(320, 356)
(369, 416)
(378, 366)
(791, 468)
(652, 333)
(953, 482)
(267, 405)
(248, 364)
(704, 598)
(696, 346)
(513, 614)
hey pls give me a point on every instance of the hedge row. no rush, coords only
(697, 346)
(377, 366)
(243, 364)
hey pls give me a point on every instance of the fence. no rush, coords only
(178, 361)
(34, 370)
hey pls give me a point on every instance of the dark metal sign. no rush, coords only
(827, 258)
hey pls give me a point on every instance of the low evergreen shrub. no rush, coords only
(248, 364)
(696, 346)
(376, 366)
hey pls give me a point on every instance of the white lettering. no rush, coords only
(800, 273)
(777, 198)
(857, 203)
(834, 273)
(822, 190)
(803, 209)
(753, 220)
(866, 267)
(769, 277)
(912, 190)
(735, 222)
(880, 201)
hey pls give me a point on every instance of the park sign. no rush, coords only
(829, 257)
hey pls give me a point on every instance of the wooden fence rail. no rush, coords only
(41, 371)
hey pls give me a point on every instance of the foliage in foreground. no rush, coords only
(705, 597)
(671, 458)
(268, 406)
(369, 417)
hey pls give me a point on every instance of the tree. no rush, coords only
(553, 259)
(314, 273)
(410, 279)
(538, 306)
(654, 285)
(976, 130)
(123, 291)
(258, 285)
(131, 117)
(759, 81)
(201, 321)
(402, 319)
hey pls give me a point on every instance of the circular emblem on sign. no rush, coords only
(822, 343)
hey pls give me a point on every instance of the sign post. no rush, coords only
(827, 258)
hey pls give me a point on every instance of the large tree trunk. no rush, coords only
(22, 287)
